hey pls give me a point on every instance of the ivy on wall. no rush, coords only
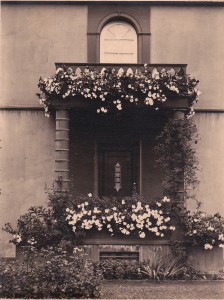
(177, 158)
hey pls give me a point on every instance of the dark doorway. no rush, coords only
(118, 170)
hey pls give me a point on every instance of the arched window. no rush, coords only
(118, 43)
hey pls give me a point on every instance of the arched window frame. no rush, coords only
(98, 18)
(134, 43)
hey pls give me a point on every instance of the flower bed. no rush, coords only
(69, 218)
(127, 217)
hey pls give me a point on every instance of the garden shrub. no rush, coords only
(119, 269)
(49, 273)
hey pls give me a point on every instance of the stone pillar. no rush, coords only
(62, 151)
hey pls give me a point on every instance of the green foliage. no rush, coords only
(49, 273)
(176, 157)
(119, 269)
(205, 230)
(161, 267)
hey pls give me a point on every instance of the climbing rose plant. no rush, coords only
(113, 91)
(204, 230)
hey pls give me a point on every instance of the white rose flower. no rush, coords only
(208, 246)
(172, 228)
(142, 235)
(221, 237)
(211, 228)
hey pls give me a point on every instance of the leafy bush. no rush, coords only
(45, 226)
(204, 230)
(49, 273)
(119, 269)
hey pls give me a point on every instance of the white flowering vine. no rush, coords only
(114, 90)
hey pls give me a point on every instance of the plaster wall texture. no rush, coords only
(34, 37)
(192, 35)
(41, 35)
(211, 161)
(27, 165)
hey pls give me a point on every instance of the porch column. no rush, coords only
(62, 151)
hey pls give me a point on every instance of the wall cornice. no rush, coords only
(149, 2)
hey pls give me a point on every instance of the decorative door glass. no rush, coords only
(117, 173)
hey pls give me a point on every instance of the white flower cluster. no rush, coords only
(32, 241)
(17, 238)
(208, 246)
(221, 238)
(206, 230)
(134, 87)
(140, 218)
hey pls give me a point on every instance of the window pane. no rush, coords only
(118, 43)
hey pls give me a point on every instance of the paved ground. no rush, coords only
(124, 289)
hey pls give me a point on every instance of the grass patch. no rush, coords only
(126, 289)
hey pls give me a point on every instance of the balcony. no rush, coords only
(175, 90)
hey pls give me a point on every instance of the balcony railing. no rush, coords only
(174, 101)
(126, 68)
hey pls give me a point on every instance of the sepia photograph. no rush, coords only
(112, 149)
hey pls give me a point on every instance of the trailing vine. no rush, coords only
(177, 158)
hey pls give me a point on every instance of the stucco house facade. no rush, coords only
(74, 143)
